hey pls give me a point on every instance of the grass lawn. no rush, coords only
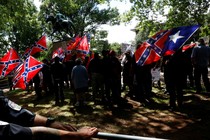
(150, 120)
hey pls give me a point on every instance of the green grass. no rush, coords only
(151, 120)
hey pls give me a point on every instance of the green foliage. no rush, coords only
(98, 43)
(164, 14)
(21, 24)
(85, 14)
(146, 30)
(116, 47)
(19, 27)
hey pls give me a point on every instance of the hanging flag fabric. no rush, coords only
(83, 46)
(59, 53)
(145, 54)
(9, 62)
(163, 43)
(79, 46)
(39, 46)
(71, 48)
(175, 38)
(74, 43)
(188, 46)
(25, 72)
(148, 53)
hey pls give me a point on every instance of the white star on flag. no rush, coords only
(175, 37)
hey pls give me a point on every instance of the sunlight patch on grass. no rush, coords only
(65, 114)
(44, 105)
(31, 105)
(160, 101)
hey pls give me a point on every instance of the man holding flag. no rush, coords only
(166, 43)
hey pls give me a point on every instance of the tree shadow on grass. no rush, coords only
(197, 110)
(85, 110)
(153, 119)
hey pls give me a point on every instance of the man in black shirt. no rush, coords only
(57, 70)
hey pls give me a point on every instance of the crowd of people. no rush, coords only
(103, 74)
(106, 75)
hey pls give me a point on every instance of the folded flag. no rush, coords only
(145, 54)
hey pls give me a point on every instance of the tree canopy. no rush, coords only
(19, 26)
(86, 15)
(154, 15)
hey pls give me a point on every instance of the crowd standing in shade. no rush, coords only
(105, 76)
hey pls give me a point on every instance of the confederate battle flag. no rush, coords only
(71, 48)
(26, 71)
(39, 46)
(164, 43)
(9, 62)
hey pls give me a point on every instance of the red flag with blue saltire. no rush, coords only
(83, 47)
(9, 62)
(74, 43)
(25, 72)
(146, 55)
(71, 48)
(59, 53)
(165, 42)
(40, 45)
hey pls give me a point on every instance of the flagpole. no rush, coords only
(103, 135)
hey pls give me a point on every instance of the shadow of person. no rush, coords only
(86, 109)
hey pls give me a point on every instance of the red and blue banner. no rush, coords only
(9, 62)
(39, 46)
(26, 71)
(163, 43)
